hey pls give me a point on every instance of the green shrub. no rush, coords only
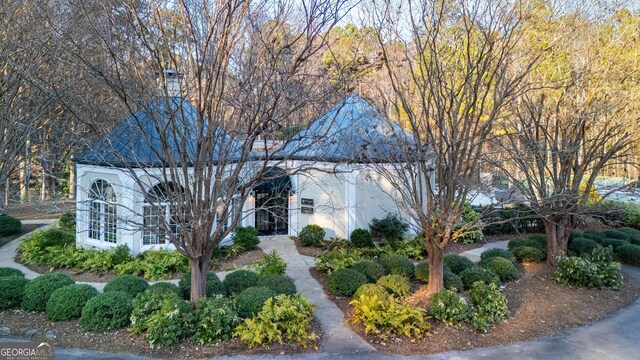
(282, 318)
(40, 289)
(12, 291)
(397, 265)
(594, 235)
(535, 241)
(475, 274)
(120, 254)
(130, 284)
(488, 306)
(5, 271)
(449, 308)
(9, 225)
(270, 264)
(629, 254)
(413, 249)
(68, 222)
(595, 270)
(457, 263)
(250, 301)
(214, 285)
(165, 287)
(55, 237)
(397, 285)
(422, 271)
(634, 235)
(338, 259)
(154, 265)
(371, 269)
(471, 234)
(385, 318)
(502, 267)
(452, 281)
(391, 228)
(165, 327)
(528, 253)
(66, 303)
(361, 238)
(239, 280)
(144, 305)
(615, 234)
(246, 237)
(344, 282)
(311, 235)
(279, 284)
(106, 311)
(497, 252)
(215, 319)
(614, 243)
(582, 246)
(371, 290)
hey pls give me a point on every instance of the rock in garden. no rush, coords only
(5, 331)
(50, 335)
(30, 333)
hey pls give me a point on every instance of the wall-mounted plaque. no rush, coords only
(306, 210)
(305, 201)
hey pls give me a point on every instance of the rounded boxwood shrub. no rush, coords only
(214, 285)
(395, 264)
(497, 252)
(614, 243)
(246, 237)
(502, 267)
(40, 289)
(422, 271)
(528, 253)
(594, 235)
(67, 302)
(345, 282)
(582, 246)
(107, 311)
(239, 280)
(451, 280)
(629, 254)
(132, 285)
(457, 263)
(615, 234)
(12, 291)
(5, 271)
(250, 301)
(361, 238)
(311, 235)
(475, 274)
(9, 225)
(634, 234)
(371, 269)
(280, 284)
(165, 287)
(397, 285)
(371, 290)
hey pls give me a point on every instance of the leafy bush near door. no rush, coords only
(311, 235)
(361, 238)
(269, 264)
(246, 237)
(391, 228)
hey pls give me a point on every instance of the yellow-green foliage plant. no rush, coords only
(391, 317)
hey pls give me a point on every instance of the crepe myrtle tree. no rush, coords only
(243, 64)
(451, 70)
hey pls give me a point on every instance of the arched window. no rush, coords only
(102, 212)
(159, 213)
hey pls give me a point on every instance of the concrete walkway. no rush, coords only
(474, 254)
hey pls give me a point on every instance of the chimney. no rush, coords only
(170, 79)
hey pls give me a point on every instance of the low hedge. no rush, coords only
(5, 271)
(535, 241)
(214, 285)
(345, 282)
(40, 289)
(250, 301)
(67, 302)
(581, 246)
(629, 254)
(529, 254)
(371, 269)
(615, 234)
(107, 311)
(9, 225)
(497, 252)
(130, 284)
(614, 243)
(240, 280)
(280, 284)
(12, 291)
(470, 276)
(457, 263)
(395, 264)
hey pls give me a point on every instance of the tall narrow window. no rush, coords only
(103, 224)
(159, 214)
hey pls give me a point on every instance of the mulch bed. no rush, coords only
(71, 335)
(51, 209)
(312, 251)
(539, 306)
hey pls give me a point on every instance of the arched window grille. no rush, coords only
(102, 212)
(159, 212)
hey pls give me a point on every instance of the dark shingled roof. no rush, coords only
(353, 131)
(136, 141)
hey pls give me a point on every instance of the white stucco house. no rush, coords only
(341, 192)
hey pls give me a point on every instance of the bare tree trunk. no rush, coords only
(25, 173)
(557, 230)
(436, 269)
(199, 269)
(3, 198)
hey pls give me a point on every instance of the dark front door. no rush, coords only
(272, 213)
